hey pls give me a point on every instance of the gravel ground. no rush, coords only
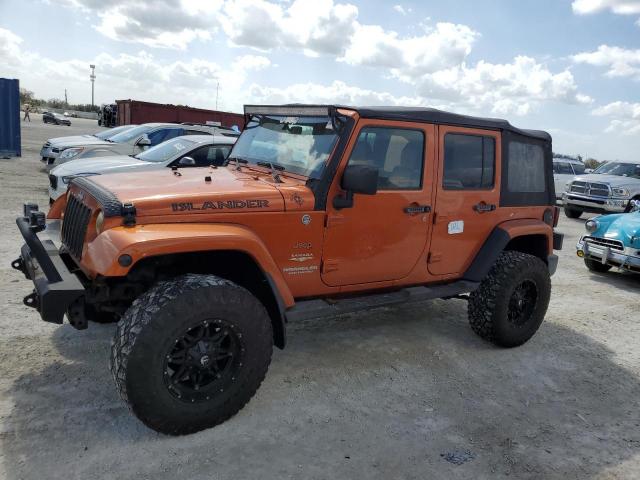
(406, 392)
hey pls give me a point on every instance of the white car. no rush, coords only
(51, 148)
(135, 140)
(185, 151)
(564, 169)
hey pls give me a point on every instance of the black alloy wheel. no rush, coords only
(204, 361)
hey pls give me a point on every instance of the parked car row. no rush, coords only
(134, 148)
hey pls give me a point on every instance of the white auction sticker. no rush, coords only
(456, 227)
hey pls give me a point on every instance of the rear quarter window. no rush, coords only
(526, 168)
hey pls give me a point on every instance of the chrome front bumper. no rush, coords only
(628, 259)
(594, 203)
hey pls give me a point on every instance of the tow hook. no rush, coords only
(32, 300)
(18, 264)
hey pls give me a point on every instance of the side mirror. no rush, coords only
(143, 141)
(187, 162)
(361, 179)
(635, 206)
(588, 170)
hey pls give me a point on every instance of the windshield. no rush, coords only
(301, 145)
(621, 169)
(130, 134)
(167, 150)
(103, 134)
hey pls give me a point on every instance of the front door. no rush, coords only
(382, 236)
(467, 198)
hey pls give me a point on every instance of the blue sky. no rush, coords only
(571, 67)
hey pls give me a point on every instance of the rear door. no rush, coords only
(467, 197)
(382, 236)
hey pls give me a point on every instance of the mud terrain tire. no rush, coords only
(596, 266)
(511, 302)
(191, 352)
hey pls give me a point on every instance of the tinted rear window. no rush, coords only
(526, 168)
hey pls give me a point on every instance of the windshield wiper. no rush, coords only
(237, 160)
(273, 167)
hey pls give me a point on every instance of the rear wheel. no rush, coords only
(573, 212)
(511, 302)
(596, 266)
(191, 352)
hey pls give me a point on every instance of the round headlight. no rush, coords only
(591, 225)
(99, 222)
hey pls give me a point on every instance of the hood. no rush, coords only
(72, 139)
(613, 180)
(165, 193)
(82, 141)
(624, 227)
(101, 165)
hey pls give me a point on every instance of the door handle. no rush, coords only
(414, 209)
(483, 207)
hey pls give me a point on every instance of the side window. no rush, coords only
(210, 155)
(200, 155)
(397, 153)
(163, 134)
(469, 162)
(526, 168)
(578, 168)
(563, 168)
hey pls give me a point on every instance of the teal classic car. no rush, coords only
(612, 241)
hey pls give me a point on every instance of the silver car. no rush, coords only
(609, 189)
(185, 151)
(135, 140)
(51, 148)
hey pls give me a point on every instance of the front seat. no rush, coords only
(407, 174)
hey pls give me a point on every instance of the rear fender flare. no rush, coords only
(497, 241)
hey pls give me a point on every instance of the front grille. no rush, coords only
(74, 226)
(606, 242)
(587, 188)
(53, 181)
(55, 150)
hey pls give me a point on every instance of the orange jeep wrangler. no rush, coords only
(319, 210)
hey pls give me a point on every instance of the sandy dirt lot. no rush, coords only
(404, 393)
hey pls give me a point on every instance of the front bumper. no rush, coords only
(628, 259)
(48, 156)
(56, 287)
(595, 204)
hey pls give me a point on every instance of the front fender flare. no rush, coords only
(143, 241)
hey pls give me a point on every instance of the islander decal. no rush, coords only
(219, 205)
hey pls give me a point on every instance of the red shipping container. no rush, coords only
(134, 111)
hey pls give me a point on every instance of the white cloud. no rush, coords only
(402, 10)
(336, 92)
(620, 62)
(159, 23)
(142, 76)
(620, 7)
(445, 46)
(502, 89)
(625, 117)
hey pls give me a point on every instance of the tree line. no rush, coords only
(27, 96)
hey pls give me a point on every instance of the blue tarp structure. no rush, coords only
(9, 118)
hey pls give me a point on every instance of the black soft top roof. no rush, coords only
(409, 114)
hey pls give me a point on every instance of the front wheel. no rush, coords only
(191, 352)
(573, 212)
(511, 302)
(596, 266)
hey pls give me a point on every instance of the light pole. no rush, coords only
(92, 77)
(217, 89)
